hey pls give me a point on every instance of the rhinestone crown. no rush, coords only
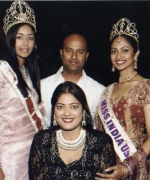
(19, 12)
(124, 26)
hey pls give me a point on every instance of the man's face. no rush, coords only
(74, 53)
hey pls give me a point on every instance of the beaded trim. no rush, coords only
(70, 145)
(128, 78)
(24, 72)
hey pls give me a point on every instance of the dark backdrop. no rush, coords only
(94, 19)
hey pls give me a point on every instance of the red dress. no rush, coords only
(129, 111)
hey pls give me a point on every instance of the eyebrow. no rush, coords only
(70, 103)
(72, 48)
(121, 47)
(23, 34)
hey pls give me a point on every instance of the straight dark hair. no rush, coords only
(30, 64)
(77, 92)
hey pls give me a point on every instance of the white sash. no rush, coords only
(122, 143)
(33, 112)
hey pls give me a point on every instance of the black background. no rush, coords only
(94, 19)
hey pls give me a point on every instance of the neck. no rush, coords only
(21, 62)
(71, 135)
(71, 76)
(124, 77)
(71, 141)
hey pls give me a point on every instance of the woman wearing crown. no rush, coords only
(124, 109)
(21, 109)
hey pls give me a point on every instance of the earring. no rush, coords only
(54, 122)
(83, 123)
(135, 65)
(113, 68)
(136, 59)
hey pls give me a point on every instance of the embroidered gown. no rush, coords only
(45, 163)
(128, 110)
(16, 131)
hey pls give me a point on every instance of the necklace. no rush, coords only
(70, 145)
(128, 78)
(24, 72)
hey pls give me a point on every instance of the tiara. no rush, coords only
(124, 26)
(19, 12)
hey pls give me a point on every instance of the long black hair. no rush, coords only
(77, 92)
(31, 63)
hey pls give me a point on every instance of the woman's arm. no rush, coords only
(146, 145)
(1, 175)
(2, 82)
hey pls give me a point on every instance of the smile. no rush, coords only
(120, 62)
(24, 50)
(73, 62)
(67, 120)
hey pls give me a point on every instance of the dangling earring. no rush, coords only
(113, 68)
(83, 123)
(54, 122)
(135, 65)
(136, 59)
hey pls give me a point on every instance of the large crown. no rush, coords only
(124, 26)
(19, 12)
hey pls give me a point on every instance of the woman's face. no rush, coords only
(68, 112)
(24, 42)
(122, 54)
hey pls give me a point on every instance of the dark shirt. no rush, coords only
(46, 164)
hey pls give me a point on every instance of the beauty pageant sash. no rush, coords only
(29, 103)
(122, 143)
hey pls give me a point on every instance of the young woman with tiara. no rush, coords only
(21, 108)
(124, 108)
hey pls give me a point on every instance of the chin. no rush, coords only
(69, 128)
(120, 69)
(23, 57)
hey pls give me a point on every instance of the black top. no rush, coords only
(46, 164)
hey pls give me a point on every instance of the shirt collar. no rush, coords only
(59, 75)
(82, 81)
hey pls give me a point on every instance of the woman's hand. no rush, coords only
(1, 175)
(116, 175)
